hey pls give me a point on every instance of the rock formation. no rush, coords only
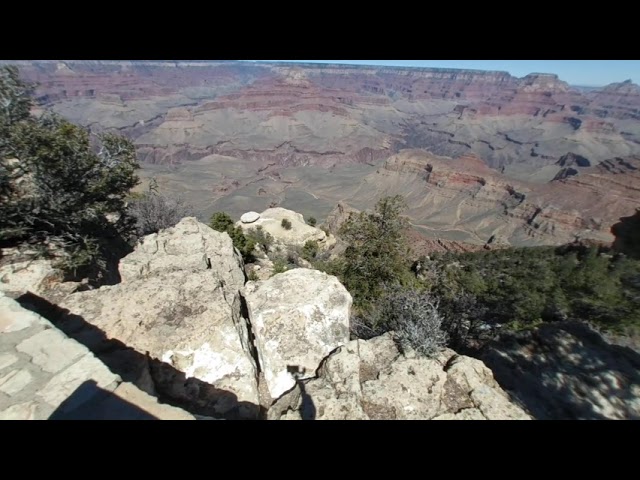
(37, 276)
(627, 233)
(183, 327)
(239, 131)
(271, 222)
(326, 114)
(298, 317)
(373, 380)
(179, 303)
(340, 214)
(462, 199)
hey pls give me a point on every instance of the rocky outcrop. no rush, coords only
(573, 160)
(373, 380)
(627, 233)
(178, 304)
(567, 371)
(565, 173)
(461, 199)
(298, 318)
(340, 214)
(271, 222)
(257, 107)
(190, 246)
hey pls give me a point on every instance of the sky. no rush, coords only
(576, 72)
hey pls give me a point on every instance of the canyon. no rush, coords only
(481, 156)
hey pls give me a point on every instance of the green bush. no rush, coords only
(280, 265)
(310, 250)
(286, 224)
(376, 251)
(66, 193)
(311, 221)
(260, 237)
(222, 222)
(521, 287)
(253, 276)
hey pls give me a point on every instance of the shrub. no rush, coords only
(221, 221)
(154, 212)
(310, 250)
(413, 316)
(280, 265)
(260, 237)
(66, 192)
(312, 221)
(253, 276)
(286, 224)
(376, 252)
(245, 243)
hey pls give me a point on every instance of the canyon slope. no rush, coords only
(528, 160)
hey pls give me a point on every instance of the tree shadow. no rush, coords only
(155, 377)
(90, 402)
(564, 371)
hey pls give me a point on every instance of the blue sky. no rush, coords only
(575, 72)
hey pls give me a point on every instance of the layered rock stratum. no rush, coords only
(241, 136)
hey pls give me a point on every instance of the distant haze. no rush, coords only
(575, 72)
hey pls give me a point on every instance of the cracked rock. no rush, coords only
(373, 380)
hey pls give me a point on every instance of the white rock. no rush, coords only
(297, 317)
(26, 276)
(179, 303)
(372, 380)
(297, 235)
(249, 217)
(189, 246)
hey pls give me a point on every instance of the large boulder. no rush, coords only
(179, 307)
(296, 236)
(373, 380)
(298, 318)
(190, 246)
(565, 371)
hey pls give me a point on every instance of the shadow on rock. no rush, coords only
(567, 371)
(168, 384)
(307, 407)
